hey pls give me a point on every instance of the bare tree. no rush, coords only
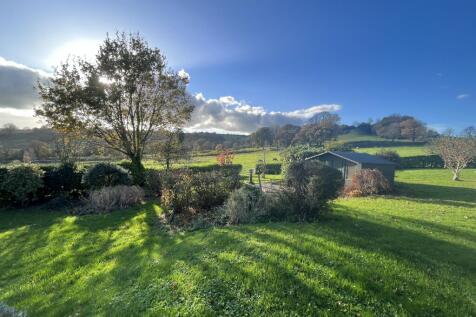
(456, 152)
(170, 147)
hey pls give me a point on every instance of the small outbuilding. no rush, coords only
(351, 162)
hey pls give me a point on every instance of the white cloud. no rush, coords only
(18, 97)
(462, 96)
(183, 74)
(226, 114)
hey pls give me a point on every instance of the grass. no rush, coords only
(357, 137)
(247, 160)
(403, 151)
(387, 256)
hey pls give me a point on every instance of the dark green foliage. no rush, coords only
(309, 187)
(3, 193)
(177, 191)
(298, 153)
(211, 189)
(183, 189)
(272, 169)
(153, 181)
(245, 205)
(391, 156)
(338, 146)
(425, 161)
(136, 170)
(21, 184)
(229, 169)
(104, 175)
(63, 180)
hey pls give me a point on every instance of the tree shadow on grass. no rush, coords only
(340, 266)
(446, 194)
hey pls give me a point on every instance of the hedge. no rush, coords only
(231, 168)
(426, 161)
(355, 144)
(271, 169)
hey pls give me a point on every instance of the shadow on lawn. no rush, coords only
(343, 265)
(446, 194)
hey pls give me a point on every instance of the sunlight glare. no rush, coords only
(84, 48)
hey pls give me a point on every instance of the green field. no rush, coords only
(403, 151)
(409, 255)
(247, 160)
(356, 137)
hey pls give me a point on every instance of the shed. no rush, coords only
(351, 162)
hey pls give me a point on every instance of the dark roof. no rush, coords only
(358, 158)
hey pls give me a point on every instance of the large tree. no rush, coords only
(456, 151)
(412, 129)
(286, 133)
(122, 98)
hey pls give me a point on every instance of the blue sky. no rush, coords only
(370, 58)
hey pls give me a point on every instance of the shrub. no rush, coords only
(62, 180)
(367, 182)
(271, 169)
(125, 164)
(245, 205)
(229, 169)
(3, 193)
(390, 155)
(297, 153)
(177, 191)
(225, 157)
(153, 182)
(309, 187)
(21, 184)
(183, 190)
(117, 197)
(106, 175)
(338, 146)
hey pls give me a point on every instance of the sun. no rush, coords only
(84, 48)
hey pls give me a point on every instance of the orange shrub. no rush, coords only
(367, 182)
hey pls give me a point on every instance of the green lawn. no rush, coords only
(403, 151)
(388, 256)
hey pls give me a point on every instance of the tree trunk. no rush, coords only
(137, 170)
(456, 175)
(167, 164)
(264, 162)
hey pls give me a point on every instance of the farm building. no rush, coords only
(351, 162)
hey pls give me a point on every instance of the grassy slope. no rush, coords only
(372, 256)
(403, 151)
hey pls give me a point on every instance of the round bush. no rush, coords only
(245, 205)
(309, 187)
(64, 179)
(325, 184)
(368, 182)
(106, 175)
(21, 184)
